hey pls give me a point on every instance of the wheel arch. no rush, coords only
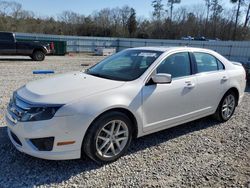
(39, 49)
(125, 111)
(236, 91)
(87, 147)
(217, 115)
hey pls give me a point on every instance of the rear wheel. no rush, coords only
(38, 55)
(226, 107)
(108, 137)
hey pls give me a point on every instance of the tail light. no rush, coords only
(52, 46)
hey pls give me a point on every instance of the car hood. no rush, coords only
(64, 88)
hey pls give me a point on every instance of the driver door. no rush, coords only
(165, 105)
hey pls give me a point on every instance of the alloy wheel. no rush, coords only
(228, 106)
(112, 138)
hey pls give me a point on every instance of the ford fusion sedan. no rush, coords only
(133, 93)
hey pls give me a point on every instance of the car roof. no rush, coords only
(5, 32)
(171, 48)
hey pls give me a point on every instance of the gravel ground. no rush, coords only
(202, 153)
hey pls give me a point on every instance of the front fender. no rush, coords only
(95, 105)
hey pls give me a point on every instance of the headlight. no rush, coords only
(25, 111)
(39, 113)
(12, 97)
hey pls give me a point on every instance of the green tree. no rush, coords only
(216, 9)
(158, 9)
(171, 7)
(208, 5)
(247, 15)
(132, 23)
(239, 3)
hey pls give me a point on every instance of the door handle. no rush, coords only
(224, 78)
(189, 84)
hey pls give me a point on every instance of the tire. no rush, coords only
(101, 145)
(227, 105)
(38, 55)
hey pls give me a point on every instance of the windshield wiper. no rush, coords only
(105, 76)
(98, 75)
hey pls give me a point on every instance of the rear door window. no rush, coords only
(206, 62)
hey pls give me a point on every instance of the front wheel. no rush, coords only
(38, 55)
(226, 107)
(108, 137)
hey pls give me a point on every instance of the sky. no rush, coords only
(55, 7)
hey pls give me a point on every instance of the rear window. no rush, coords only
(6, 37)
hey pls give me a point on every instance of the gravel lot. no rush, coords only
(202, 153)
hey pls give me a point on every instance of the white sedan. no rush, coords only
(128, 95)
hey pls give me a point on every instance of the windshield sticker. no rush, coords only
(147, 54)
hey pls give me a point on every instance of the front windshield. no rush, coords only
(127, 65)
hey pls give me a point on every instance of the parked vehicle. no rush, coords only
(36, 50)
(128, 95)
(200, 38)
(246, 65)
(187, 38)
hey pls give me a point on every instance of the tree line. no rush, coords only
(167, 21)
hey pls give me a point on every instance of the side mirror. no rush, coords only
(162, 78)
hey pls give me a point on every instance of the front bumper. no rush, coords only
(28, 149)
(62, 129)
(247, 69)
(50, 52)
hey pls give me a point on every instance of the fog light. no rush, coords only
(43, 144)
(15, 138)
